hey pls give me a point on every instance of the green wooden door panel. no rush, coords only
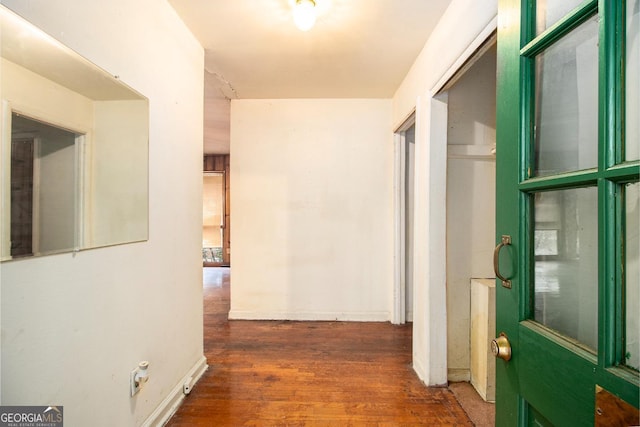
(554, 380)
(508, 202)
(551, 379)
(535, 419)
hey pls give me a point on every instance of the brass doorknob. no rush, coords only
(501, 348)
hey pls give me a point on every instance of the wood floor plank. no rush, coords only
(280, 373)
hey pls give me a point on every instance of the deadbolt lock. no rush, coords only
(501, 348)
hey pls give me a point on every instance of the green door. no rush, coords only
(568, 197)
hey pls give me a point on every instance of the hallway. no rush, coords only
(280, 373)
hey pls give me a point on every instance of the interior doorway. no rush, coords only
(44, 187)
(216, 241)
(405, 139)
(212, 218)
(470, 194)
(409, 174)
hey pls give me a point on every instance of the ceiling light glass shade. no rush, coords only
(304, 14)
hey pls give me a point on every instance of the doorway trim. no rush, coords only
(430, 315)
(399, 311)
(474, 51)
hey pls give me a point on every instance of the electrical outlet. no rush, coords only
(138, 377)
(135, 385)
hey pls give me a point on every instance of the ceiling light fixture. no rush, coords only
(304, 14)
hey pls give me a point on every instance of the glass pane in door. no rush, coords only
(632, 93)
(632, 273)
(566, 103)
(548, 12)
(565, 292)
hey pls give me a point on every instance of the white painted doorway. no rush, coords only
(470, 206)
(431, 319)
(405, 138)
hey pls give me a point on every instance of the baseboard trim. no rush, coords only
(425, 375)
(458, 374)
(418, 368)
(172, 402)
(369, 316)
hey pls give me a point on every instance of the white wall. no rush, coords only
(74, 326)
(312, 209)
(119, 205)
(55, 188)
(464, 24)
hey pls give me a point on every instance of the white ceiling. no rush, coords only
(357, 49)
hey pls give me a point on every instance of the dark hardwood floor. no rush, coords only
(280, 373)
